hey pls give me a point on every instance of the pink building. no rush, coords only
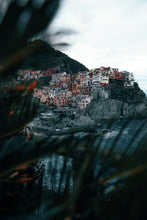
(84, 101)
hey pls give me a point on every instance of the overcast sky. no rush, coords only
(108, 32)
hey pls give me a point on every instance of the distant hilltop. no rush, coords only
(46, 57)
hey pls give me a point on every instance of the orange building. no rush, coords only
(76, 87)
(117, 75)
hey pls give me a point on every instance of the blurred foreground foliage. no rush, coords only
(94, 183)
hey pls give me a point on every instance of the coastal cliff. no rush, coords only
(122, 102)
(111, 108)
(113, 94)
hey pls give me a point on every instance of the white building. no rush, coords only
(104, 78)
(83, 101)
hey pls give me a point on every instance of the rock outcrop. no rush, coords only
(124, 102)
(126, 94)
(104, 109)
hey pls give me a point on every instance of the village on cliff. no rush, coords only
(76, 90)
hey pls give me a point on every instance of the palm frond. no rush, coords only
(88, 177)
(20, 23)
(16, 108)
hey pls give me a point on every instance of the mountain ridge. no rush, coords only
(46, 57)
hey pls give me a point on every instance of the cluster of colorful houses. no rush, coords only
(78, 89)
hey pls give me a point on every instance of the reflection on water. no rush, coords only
(124, 133)
(120, 133)
(53, 171)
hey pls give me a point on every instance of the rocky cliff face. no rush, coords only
(104, 109)
(126, 94)
(134, 110)
(111, 108)
(124, 102)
